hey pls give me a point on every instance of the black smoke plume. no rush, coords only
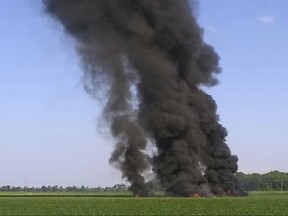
(154, 49)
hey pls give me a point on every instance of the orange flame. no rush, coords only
(196, 195)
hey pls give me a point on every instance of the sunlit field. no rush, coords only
(260, 203)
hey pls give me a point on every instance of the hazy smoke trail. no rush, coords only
(157, 46)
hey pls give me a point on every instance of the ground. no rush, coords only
(260, 203)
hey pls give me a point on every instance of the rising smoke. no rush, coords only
(154, 48)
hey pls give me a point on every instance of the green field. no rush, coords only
(91, 204)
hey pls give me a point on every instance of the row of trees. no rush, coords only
(56, 188)
(271, 181)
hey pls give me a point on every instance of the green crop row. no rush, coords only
(275, 205)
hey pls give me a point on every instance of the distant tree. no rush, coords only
(273, 180)
(6, 188)
(44, 188)
(55, 188)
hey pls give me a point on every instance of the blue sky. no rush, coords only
(48, 124)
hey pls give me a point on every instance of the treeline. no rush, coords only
(271, 181)
(56, 188)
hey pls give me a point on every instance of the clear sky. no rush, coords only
(48, 124)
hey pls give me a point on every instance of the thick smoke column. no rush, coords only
(156, 48)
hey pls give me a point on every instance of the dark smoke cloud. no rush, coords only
(156, 47)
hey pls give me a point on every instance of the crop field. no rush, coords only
(73, 204)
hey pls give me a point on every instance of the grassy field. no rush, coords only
(69, 204)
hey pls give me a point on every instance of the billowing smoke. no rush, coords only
(154, 49)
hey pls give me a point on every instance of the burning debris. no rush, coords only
(155, 47)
